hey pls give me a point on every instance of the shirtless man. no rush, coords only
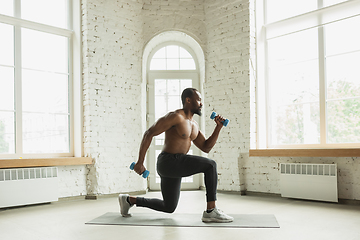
(173, 163)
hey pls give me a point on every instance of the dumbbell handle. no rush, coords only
(225, 122)
(145, 174)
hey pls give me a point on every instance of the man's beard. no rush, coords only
(198, 112)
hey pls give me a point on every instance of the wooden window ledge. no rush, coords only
(339, 152)
(44, 162)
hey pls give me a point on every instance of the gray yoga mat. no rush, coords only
(185, 220)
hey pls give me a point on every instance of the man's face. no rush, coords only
(196, 103)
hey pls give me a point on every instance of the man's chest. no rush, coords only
(187, 129)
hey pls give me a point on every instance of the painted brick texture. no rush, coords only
(165, 15)
(227, 84)
(72, 181)
(262, 174)
(112, 49)
(114, 36)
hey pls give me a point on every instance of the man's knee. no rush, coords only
(170, 208)
(212, 164)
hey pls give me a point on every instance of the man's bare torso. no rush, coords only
(178, 138)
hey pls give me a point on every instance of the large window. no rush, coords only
(35, 79)
(309, 74)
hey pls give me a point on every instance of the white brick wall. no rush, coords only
(227, 84)
(114, 36)
(185, 16)
(262, 174)
(72, 181)
(112, 49)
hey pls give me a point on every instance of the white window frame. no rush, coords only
(264, 31)
(168, 74)
(73, 33)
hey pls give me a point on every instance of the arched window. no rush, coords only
(171, 66)
(172, 69)
(172, 57)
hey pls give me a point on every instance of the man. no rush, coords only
(173, 163)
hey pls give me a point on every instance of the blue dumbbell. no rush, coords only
(145, 174)
(225, 122)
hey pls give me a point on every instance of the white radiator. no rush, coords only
(24, 186)
(309, 181)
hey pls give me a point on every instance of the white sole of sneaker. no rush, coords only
(215, 220)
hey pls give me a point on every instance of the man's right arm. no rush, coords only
(206, 145)
(159, 127)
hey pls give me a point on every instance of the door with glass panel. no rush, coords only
(167, 78)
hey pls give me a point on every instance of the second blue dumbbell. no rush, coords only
(225, 122)
(145, 174)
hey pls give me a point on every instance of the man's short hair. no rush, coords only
(187, 93)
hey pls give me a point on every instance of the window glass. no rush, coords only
(184, 54)
(44, 51)
(44, 92)
(282, 9)
(7, 114)
(343, 76)
(158, 64)
(294, 88)
(52, 13)
(7, 7)
(168, 95)
(343, 81)
(7, 132)
(45, 112)
(312, 63)
(187, 64)
(172, 57)
(172, 52)
(343, 118)
(342, 36)
(327, 3)
(45, 133)
(7, 88)
(293, 48)
(6, 45)
(42, 79)
(160, 54)
(172, 64)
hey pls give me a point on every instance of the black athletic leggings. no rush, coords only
(171, 168)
